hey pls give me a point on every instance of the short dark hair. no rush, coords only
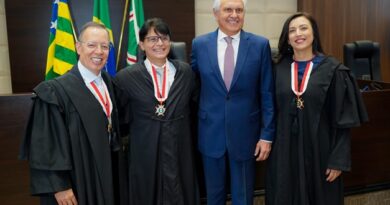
(157, 24)
(283, 46)
(90, 25)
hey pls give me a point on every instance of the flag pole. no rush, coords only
(71, 22)
(121, 35)
(74, 33)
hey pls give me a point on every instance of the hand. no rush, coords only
(332, 174)
(262, 150)
(65, 197)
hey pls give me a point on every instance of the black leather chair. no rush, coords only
(363, 58)
(178, 51)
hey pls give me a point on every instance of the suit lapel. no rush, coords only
(213, 56)
(241, 56)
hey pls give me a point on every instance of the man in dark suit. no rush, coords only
(71, 140)
(236, 108)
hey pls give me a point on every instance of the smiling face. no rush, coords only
(300, 35)
(230, 16)
(93, 48)
(156, 47)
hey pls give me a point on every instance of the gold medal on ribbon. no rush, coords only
(300, 102)
(300, 89)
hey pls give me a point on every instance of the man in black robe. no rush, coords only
(71, 140)
(161, 152)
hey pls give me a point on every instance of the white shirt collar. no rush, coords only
(87, 75)
(222, 35)
(149, 64)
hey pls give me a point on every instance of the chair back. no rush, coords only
(363, 58)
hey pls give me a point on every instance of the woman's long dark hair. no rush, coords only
(285, 49)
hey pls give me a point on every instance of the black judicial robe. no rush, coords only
(310, 140)
(67, 143)
(161, 149)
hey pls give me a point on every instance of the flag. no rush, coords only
(61, 54)
(136, 20)
(101, 14)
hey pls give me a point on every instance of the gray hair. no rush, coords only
(217, 4)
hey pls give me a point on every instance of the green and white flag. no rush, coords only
(136, 20)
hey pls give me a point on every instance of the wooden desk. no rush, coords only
(371, 143)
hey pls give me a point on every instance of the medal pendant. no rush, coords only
(160, 110)
(109, 127)
(299, 103)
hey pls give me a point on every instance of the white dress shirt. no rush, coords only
(221, 46)
(159, 69)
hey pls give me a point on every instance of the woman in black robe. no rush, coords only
(318, 101)
(154, 99)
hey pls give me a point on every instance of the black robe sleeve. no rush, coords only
(46, 182)
(348, 111)
(122, 101)
(195, 88)
(46, 143)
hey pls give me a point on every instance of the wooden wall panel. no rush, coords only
(28, 31)
(345, 21)
(14, 174)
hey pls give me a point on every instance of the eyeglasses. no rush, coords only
(154, 39)
(95, 45)
(231, 10)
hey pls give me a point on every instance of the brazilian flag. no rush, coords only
(61, 54)
(101, 14)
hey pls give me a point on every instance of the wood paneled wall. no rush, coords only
(28, 31)
(14, 174)
(345, 21)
